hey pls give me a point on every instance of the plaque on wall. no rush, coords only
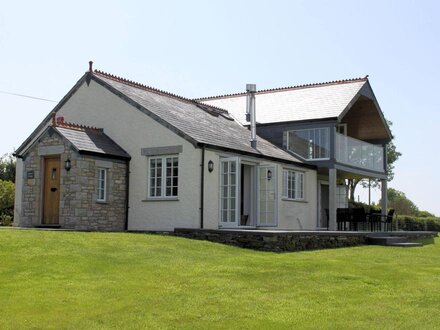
(30, 174)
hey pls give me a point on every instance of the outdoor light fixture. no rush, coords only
(67, 165)
(269, 175)
(210, 166)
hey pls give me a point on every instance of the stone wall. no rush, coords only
(79, 208)
(275, 241)
(285, 241)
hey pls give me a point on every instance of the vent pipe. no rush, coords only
(250, 112)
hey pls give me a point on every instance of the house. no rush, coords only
(115, 155)
(337, 126)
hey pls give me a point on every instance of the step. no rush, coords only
(386, 240)
(406, 244)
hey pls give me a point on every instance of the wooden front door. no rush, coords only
(51, 199)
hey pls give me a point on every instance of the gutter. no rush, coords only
(202, 189)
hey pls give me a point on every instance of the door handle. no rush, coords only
(53, 189)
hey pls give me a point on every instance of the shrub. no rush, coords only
(7, 195)
(413, 223)
(6, 219)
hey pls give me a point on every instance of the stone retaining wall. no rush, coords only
(285, 241)
(275, 241)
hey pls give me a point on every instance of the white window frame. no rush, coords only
(298, 190)
(163, 178)
(102, 178)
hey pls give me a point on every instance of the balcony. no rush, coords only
(314, 145)
(358, 153)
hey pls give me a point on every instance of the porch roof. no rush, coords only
(92, 141)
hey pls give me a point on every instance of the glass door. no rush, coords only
(229, 179)
(267, 196)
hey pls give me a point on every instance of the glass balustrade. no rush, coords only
(358, 153)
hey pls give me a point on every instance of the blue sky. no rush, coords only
(200, 48)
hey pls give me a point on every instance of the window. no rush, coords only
(310, 143)
(163, 176)
(102, 185)
(293, 185)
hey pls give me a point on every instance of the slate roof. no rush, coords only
(297, 103)
(200, 124)
(92, 141)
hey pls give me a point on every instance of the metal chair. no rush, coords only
(386, 220)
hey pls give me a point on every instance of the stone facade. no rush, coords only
(79, 208)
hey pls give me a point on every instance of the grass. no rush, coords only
(71, 280)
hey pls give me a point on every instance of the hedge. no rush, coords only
(413, 223)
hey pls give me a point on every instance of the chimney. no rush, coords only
(90, 66)
(250, 112)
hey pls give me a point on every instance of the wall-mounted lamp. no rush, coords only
(269, 175)
(210, 166)
(68, 165)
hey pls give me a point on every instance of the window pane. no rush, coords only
(233, 166)
(224, 167)
(175, 191)
(225, 179)
(232, 216)
(233, 176)
(310, 143)
(232, 203)
(225, 216)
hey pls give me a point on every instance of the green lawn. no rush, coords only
(74, 280)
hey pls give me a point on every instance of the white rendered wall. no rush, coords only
(298, 215)
(133, 130)
(212, 191)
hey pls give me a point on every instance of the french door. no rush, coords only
(229, 179)
(267, 196)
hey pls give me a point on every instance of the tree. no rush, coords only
(392, 156)
(7, 168)
(398, 201)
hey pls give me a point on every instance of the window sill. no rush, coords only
(294, 200)
(101, 202)
(161, 199)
